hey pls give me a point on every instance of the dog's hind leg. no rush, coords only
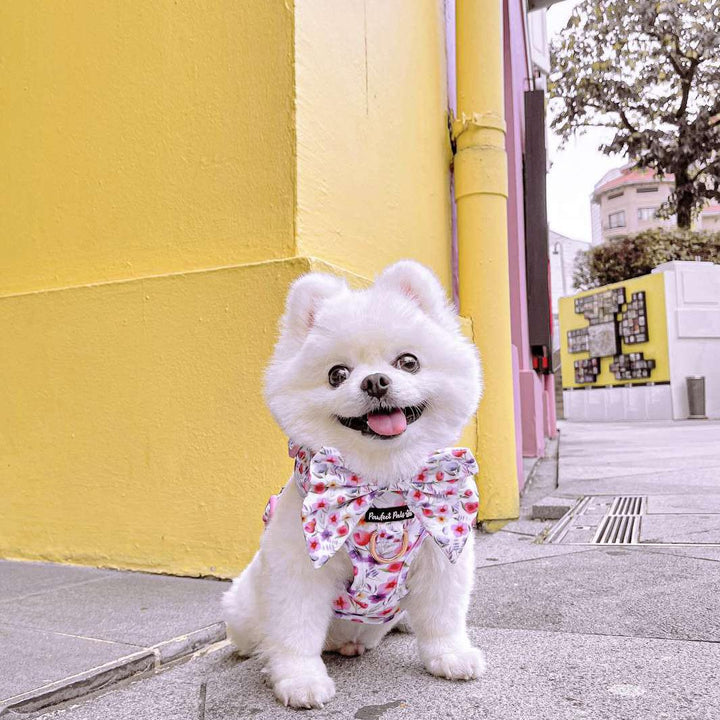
(351, 638)
(242, 611)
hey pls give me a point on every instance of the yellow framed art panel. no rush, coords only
(656, 347)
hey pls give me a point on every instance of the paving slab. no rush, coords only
(30, 658)
(639, 457)
(66, 629)
(532, 528)
(529, 466)
(543, 480)
(628, 466)
(684, 504)
(608, 591)
(505, 547)
(81, 684)
(680, 529)
(134, 608)
(700, 552)
(579, 436)
(19, 579)
(693, 482)
(531, 676)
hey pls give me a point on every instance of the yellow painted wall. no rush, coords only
(143, 145)
(656, 348)
(372, 140)
(140, 138)
(133, 430)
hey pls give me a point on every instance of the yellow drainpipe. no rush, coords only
(481, 183)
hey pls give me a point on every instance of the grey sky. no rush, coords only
(575, 169)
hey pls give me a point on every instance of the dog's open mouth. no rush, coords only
(384, 423)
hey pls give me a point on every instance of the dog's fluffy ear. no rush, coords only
(306, 296)
(421, 286)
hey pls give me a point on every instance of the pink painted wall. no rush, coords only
(535, 414)
(515, 85)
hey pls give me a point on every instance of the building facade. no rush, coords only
(710, 218)
(626, 201)
(564, 253)
(172, 169)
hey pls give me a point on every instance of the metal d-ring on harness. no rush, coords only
(386, 561)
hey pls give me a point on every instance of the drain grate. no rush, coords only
(601, 520)
(608, 520)
(560, 529)
(621, 525)
(627, 505)
(618, 530)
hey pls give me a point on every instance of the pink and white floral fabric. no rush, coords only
(442, 497)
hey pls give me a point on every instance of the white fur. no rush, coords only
(280, 606)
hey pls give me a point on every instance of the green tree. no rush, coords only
(630, 256)
(650, 71)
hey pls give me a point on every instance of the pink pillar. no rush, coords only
(550, 409)
(528, 384)
(515, 74)
(518, 421)
(533, 423)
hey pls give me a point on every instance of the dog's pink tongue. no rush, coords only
(392, 423)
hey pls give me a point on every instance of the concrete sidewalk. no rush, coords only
(66, 630)
(571, 629)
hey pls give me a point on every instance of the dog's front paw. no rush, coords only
(457, 664)
(309, 691)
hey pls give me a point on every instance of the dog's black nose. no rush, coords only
(375, 385)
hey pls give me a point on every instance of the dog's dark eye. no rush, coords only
(338, 375)
(407, 362)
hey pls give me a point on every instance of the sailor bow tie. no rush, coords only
(442, 496)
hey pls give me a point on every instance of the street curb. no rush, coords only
(552, 507)
(187, 644)
(83, 683)
(103, 676)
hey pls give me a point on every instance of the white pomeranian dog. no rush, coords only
(371, 387)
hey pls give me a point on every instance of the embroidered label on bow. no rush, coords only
(390, 514)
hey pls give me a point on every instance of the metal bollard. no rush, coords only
(696, 397)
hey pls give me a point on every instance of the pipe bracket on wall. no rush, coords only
(458, 125)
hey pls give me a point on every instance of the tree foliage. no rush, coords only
(650, 71)
(634, 255)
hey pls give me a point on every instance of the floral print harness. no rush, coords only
(381, 528)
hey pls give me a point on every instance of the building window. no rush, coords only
(647, 213)
(616, 219)
(614, 195)
(653, 188)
